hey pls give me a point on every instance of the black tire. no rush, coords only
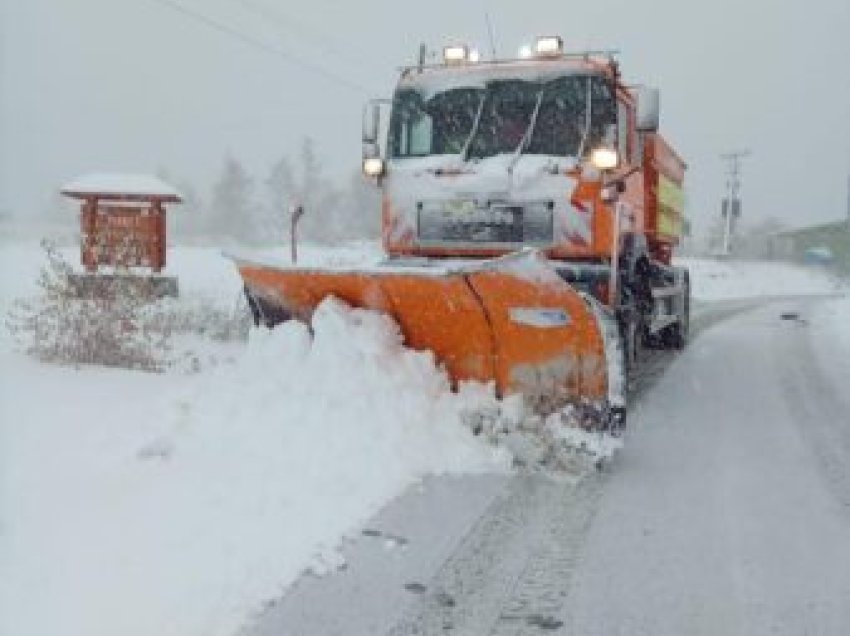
(254, 307)
(681, 330)
(635, 342)
(265, 313)
(616, 420)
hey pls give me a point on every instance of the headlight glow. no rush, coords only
(373, 166)
(604, 158)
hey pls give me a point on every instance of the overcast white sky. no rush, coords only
(137, 85)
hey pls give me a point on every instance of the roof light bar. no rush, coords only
(456, 54)
(549, 46)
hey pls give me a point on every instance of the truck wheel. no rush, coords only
(616, 420)
(679, 335)
(254, 307)
(264, 313)
(634, 345)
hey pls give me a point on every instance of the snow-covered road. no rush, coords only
(728, 512)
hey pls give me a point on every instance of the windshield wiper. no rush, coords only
(587, 121)
(464, 153)
(526, 137)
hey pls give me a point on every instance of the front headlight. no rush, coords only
(373, 166)
(604, 158)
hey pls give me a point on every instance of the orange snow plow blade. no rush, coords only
(537, 338)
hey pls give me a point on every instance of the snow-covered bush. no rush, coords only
(208, 319)
(111, 321)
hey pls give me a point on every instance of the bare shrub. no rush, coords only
(110, 321)
(208, 319)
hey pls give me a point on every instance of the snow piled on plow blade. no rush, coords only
(562, 442)
(349, 371)
(313, 429)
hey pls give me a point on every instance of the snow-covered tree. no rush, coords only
(306, 186)
(332, 212)
(358, 211)
(232, 209)
(187, 221)
(280, 191)
(315, 194)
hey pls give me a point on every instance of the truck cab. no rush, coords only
(484, 158)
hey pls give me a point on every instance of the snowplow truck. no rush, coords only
(530, 210)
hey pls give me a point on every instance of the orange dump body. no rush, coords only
(537, 339)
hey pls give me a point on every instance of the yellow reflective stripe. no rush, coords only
(670, 195)
(671, 207)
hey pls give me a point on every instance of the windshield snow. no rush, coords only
(482, 122)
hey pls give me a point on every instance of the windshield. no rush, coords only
(482, 122)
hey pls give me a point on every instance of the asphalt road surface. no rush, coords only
(728, 512)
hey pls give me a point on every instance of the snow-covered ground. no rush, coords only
(833, 319)
(713, 279)
(137, 503)
(177, 503)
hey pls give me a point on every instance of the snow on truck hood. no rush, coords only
(526, 166)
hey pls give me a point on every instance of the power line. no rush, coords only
(260, 45)
(298, 28)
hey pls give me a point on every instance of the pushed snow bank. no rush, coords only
(125, 517)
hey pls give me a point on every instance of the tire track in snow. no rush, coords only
(512, 571)
(823, 422)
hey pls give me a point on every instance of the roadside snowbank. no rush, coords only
(713, 279)
(123, 516)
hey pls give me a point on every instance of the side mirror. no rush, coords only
(373, 165)
(371, 122)
(647, 108)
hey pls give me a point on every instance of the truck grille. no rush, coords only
(495, 223)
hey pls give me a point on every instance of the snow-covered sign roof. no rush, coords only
(127, 187)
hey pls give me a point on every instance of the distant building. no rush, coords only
(801, 244)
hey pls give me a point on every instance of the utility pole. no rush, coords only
(731, 206)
